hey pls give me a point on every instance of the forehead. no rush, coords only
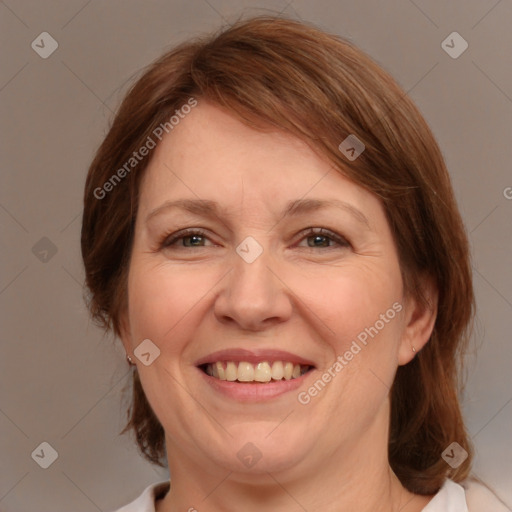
(210, 154)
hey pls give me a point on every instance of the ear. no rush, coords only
(420, 318)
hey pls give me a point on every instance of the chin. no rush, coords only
(254, 451)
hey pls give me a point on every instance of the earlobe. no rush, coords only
(420, 318)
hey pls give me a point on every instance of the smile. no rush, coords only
(263, 372)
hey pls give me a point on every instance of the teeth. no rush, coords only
(245, 372)
(261, 372)
(288, 370)
(221, 373)
(231, 371)
(277, 370)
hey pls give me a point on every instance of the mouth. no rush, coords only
(262, 372)
(254, 375)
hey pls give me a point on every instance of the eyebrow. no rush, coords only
(208, 208)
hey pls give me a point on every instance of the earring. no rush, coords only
(129, 359)
(414, 348)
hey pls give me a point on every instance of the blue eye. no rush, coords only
(195, 237)
(322, 237)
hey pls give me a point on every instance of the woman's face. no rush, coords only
(288, 261)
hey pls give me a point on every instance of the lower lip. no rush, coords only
(254, 392)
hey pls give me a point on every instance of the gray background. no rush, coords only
(61, 380)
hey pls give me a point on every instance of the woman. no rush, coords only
(270, 229)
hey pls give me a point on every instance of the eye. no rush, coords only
(322, 238)
(192, 237)
(195, 237)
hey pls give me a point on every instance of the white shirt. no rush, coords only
(469, 496)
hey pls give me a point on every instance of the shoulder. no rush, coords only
(481, 498)
(478, 497)
(470, 495)
(146, 501)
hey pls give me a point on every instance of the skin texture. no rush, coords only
(306, 295)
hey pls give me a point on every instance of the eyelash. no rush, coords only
(169, 239)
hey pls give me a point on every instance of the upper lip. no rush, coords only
(253, 356)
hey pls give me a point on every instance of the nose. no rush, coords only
(253, 297)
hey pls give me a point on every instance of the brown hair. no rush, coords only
(276, 73)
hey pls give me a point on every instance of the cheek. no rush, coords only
(347, 301)
(162, 300)
(362, 309)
